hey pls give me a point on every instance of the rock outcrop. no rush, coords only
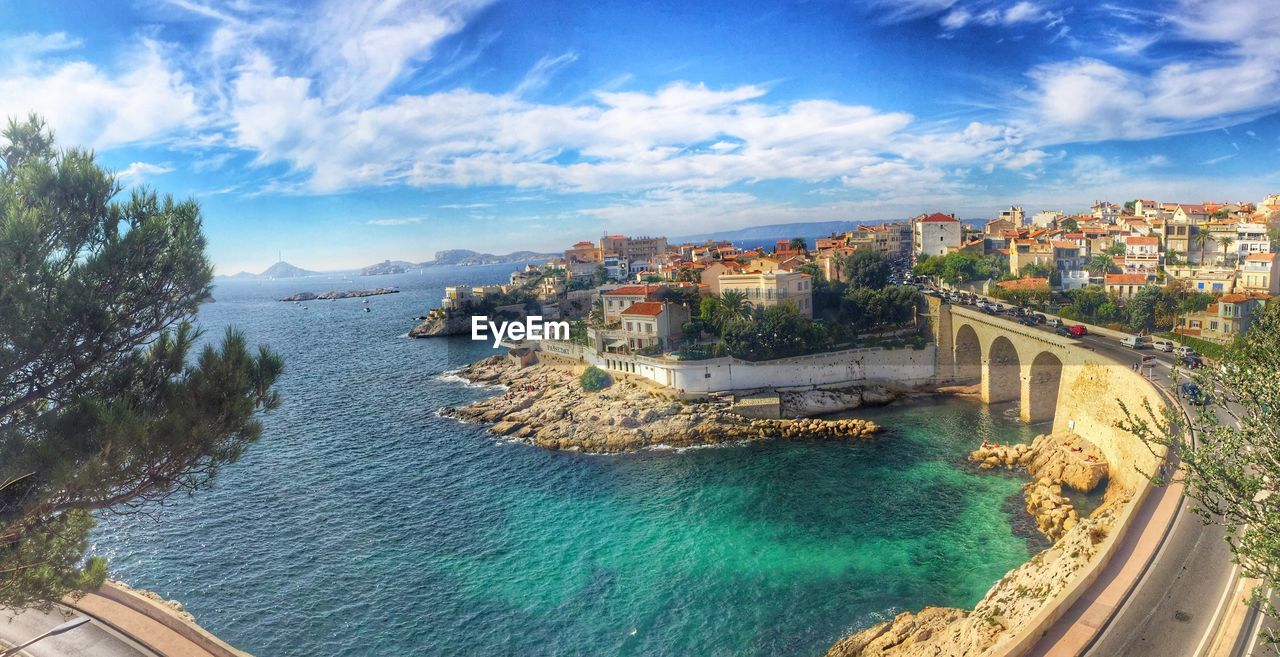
(336, 294)
(544, 405)
(1061, 458)
(1054, 514)
(440, 324)
(824, 402)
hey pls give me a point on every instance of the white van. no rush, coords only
(1137, 341)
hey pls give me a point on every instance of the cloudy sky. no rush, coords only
(343, 133)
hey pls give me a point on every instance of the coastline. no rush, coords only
(544, 405)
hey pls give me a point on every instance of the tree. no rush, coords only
(1230, 468)
(601, 275)
(732, 307)
(102, 409)
(594, 379)
(596, 317)
(1200, 238)
(776, 332)
(1069, 224)
(1117, 249)
(1225, 242)
(799, 244)
(1100, 264)
(865, 269)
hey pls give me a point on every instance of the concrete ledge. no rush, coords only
(163, 615)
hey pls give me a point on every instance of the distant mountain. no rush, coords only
(469, 257)
(389, 267)
(776, 231)
(281, 269)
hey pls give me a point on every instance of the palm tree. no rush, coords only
(1225, 242)
(1200, 238)
(732, 307)
(798, 244)
(1099, 265)
(597, 313)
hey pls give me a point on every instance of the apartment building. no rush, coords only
(1259, 274)
(772, 288)
(1223, 321)
(936, 234)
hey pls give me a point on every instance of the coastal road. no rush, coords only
(1175, 608)
(93, 639)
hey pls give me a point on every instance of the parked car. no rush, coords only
(1027, 320)
(1053, 322)
(1040, 319)
(1136, 341)
(1184, 351)
(1193, 393)
(1192, 362)
(1076, 331)
(1163, 345)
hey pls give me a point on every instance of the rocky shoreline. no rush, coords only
(1054, 461)
(544, 405)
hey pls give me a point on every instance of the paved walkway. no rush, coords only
(92, 640)
(155, 636)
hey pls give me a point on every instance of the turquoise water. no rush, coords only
(363, 524)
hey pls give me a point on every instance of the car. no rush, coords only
(1192, 362)
(998, 308)
(1079, 330)
(1071, 331)
(1193, 393)
(1184, 351)
(1040, 318)
(1136, 341)
(1053, 322)
(1163, 345)
(1027, 320)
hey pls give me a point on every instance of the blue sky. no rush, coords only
(344, 133)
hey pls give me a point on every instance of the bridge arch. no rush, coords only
(968, 355)
(1040, 398)
(1002, 372)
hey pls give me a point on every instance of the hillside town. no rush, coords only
(1196, 271)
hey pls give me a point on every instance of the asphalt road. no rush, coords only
(89, 640)
(1175, 607)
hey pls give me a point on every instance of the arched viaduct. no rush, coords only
(1050, 377)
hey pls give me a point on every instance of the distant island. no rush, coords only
(453, 257)
(281, 269)
(332, 294)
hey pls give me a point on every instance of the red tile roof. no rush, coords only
(646, 308)
(633, 290)
(938, 217)
(1024, 284)
(1126, 279)
(1143, 241)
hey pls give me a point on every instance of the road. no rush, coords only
(1177, 603)
(90, 640)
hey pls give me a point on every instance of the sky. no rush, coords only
(340, 134)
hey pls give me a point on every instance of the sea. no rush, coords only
(364, 524)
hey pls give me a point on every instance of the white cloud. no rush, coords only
(86, 105)
(137, 172)
(397, 221)
(542, 72)
(1088, 99)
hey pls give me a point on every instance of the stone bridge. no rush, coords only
(1051, 377)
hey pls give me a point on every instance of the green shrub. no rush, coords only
(594, 379)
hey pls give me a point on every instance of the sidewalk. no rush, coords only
(151, 624)
(1090, 613)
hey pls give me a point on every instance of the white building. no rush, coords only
(936, 234)
(1046, 218)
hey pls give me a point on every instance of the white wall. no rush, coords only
(906, 367)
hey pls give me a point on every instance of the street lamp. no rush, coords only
(65, 627)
